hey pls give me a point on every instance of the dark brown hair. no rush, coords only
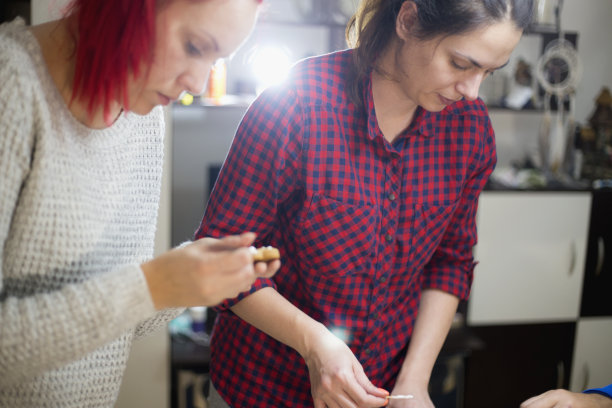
(372, 28)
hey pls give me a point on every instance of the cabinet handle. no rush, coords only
(601, 253)
(572, 258)
(560, 374)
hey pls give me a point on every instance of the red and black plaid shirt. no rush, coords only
(362, 225)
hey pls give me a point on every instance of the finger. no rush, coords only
(319, 403)
(345, 401)
(247, 238)
(267, 269)
(540, 401)
(235, 266)
(355, 392)
(244, 278)
(230, 241)
(527, 403)
(362, 390)
(545, 400)
(333, 404)
(235, 241)
(245, 289)
(367, 385)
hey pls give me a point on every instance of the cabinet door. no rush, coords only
(517, 362)
(596, 298)
(592, 366)
(531, 250)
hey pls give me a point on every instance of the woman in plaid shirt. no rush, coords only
(364, 169)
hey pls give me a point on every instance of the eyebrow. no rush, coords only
(479, 65)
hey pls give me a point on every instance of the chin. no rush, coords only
(142, 109)
(433, 107)
(432, 104)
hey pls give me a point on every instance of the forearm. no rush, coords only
(435, 316)
(45, 330)
(271, 313)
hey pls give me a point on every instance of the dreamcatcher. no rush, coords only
(558, 72)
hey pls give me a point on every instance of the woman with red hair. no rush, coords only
(81, 146)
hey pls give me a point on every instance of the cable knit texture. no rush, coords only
(78, 209)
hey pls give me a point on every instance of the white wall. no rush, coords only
(46, 10)
(591, 19)
(516, 133)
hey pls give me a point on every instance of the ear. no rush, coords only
(406, 19)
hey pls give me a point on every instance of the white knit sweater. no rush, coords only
(78, 210)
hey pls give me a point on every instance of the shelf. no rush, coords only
(304, 23)
(231, 101)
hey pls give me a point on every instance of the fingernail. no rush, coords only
(383, 390)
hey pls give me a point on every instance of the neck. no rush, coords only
(394, 109)
(57, 43)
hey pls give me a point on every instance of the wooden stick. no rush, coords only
(400, 396)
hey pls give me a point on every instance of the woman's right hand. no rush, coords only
(204, 272)
(336, 376)
(567, 399)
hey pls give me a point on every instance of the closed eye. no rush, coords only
(464, 68)
(192, 49)
(458, 66)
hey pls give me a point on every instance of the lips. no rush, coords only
(446, 101)
(164, 100)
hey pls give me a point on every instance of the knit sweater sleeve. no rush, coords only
(43, 331)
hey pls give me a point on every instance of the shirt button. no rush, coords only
(382, 279)
(368, 352)
(391, 197)
(389, 237)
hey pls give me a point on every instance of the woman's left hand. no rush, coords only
(421, 396)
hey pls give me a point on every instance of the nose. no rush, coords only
(193, 79)
(469, 86)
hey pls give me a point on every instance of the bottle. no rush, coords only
(216, 87)
(198, 318)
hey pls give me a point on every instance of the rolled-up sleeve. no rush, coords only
(259, 173)
(452, 265)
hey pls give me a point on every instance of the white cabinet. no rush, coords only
(531, 252)
(592, 365)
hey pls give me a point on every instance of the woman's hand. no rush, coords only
(337, 378)
(204, 272)
(567, 399)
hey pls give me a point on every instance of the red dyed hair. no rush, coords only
(114, 38)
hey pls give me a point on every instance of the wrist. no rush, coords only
(154, 286)
(414, 374)
(603, 400)
(309, 332)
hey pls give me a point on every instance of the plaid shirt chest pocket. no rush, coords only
(336, 238)
(431, 221)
